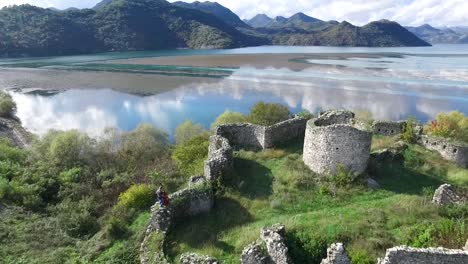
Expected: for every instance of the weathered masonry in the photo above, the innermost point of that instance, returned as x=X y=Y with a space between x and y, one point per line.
x=388 y=128
x=452 y=151
x=327 y=148
x=408 y=255
x=249 y=136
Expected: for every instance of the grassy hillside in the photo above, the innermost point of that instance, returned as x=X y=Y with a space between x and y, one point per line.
x=275 y=186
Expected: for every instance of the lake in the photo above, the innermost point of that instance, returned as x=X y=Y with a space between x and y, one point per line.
x=165 y=88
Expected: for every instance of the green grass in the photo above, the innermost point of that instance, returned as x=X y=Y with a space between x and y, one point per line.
x=274 y=186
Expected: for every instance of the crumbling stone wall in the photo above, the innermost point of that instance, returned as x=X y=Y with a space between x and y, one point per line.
x=326 y=148
x=284 y=132
x=447 y=195
x=336 y=254
x=185 y=203
x=455 y=152
x=249 y=136
x=242 y=136
x=334 y=117
x=388 y=128
x=220 y=159
x=407 y=255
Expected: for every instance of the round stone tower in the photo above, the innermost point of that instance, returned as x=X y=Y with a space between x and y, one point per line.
x=328 y=147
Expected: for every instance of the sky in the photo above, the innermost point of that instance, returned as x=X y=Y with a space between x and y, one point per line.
x=359 y=12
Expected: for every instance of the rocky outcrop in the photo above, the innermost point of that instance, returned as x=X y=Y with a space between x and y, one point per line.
x=447 y=195
x=192 y=258
x=336 y=254
x=388 y=128
x=408 y=255
x=249 y=136
x=13 y=130
x=334 y=117
x=255 y=253
x=327 y=148
x=452 y=151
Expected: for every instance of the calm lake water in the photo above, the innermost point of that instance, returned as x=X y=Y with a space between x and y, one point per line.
x=391 y=83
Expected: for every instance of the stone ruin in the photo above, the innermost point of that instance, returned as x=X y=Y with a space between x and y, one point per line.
x=408 y=255
x=447 y=195
x=333 y=117
x=327 y=148
x=191 y=201
x=388 y=128
x=452 y=151
x=220 y=159
x=271 y=250
x=332 y=140
x=336 y=254
x=249 y=136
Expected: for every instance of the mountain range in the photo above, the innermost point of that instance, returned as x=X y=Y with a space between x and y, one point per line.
x=456 y=35
x=122 y=25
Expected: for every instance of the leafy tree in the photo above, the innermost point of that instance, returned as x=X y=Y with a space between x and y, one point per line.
x=7 y=105
x=452 y=125
x=268 y=113
x=229 y=117
x=188 y=130
x=191 y=155
x=409 y=134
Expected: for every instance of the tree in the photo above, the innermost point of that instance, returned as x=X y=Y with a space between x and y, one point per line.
x=7 y=105
x=268 y=114
x=188 y=130
x=229 y=117
x=190 y=155
x=452 y=125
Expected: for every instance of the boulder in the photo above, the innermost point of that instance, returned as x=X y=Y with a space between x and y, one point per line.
x=446 y=195
x=255 y=253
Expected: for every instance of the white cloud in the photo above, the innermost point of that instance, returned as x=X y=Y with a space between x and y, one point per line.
x=406 y=12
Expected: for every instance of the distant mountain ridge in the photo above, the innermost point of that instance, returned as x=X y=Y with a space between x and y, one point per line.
x=440 y=36
x=216 y=9
x=125 y=25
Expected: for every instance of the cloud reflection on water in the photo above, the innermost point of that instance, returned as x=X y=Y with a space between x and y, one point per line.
x=94 y=110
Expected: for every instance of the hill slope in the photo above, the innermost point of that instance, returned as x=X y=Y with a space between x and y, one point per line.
x=221 y=12
x=125 y=25
x=116 y=25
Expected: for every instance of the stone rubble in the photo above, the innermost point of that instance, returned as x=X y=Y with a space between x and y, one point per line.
x=192 y=258
x=408 y=255
x=255 y=254
x=446 y=195
x=336 y=254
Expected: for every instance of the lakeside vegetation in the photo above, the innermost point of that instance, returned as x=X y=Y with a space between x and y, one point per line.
x=75 y=199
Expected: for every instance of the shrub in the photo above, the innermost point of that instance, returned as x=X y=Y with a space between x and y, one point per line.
x=305 y=114
x=68 y=149
x=187 y=131
x=342 y=178
x=78 y=219
x=409 y=134
x=449 y=233
x=191 y=155
x=361 y=257
x=229 y=117
x=453 y=125
x=305 y=248
x=7 y=105
x=116 y=228
x=139 y=197
x=267 y=114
